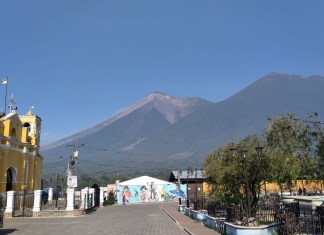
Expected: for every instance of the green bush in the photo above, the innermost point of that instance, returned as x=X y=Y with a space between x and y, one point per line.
x=110 y=200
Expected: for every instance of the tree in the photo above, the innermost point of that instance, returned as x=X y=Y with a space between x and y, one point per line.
x=222 y=174
x=289 y=148
x=227 y=172
x=320 y=155
x=290 y=143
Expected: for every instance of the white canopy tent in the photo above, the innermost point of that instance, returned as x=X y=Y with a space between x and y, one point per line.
x=146 y=180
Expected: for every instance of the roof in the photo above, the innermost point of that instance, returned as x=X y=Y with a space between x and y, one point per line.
x=144 y=180
x=190 y=174
x=8 y=116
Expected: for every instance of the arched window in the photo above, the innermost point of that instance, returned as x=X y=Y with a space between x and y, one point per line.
x=9 y=179
x=13 y=132
x=28 y=126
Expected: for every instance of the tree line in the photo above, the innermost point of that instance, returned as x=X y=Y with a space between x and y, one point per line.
x=292 y=149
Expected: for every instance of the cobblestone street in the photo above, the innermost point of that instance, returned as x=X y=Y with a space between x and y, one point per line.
x=142 y=219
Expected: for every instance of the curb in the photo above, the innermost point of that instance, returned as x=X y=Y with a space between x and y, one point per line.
x=185 y=229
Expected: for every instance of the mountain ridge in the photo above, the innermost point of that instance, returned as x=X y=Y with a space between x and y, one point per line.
x=164 y=132
x=179 y=107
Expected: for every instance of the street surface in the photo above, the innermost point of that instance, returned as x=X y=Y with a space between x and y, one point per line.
x=141 y=219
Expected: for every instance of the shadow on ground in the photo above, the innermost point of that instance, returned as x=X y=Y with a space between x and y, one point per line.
x=7 y=231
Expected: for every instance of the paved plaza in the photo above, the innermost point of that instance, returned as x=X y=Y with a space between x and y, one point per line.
x=144 y=219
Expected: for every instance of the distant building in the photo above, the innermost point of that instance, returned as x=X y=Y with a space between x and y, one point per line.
x=20 y=161
x=194 y=180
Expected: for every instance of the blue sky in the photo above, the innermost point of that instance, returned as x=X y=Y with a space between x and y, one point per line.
x=80 y=62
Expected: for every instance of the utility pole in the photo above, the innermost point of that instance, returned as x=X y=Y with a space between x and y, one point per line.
x=73 y=158
x=72 y=161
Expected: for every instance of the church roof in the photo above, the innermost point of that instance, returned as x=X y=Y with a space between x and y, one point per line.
x=9 y=115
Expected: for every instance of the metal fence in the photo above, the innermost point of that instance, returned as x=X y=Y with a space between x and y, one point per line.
x=3 y=201
x=287 y=216
x=217 y=210
x=78 y=204
x=23 y=204
x=86 y=203
x=58 y=201
x=266 y=213
x=290 y=224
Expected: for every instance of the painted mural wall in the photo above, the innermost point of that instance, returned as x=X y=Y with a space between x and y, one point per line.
x=150 y=193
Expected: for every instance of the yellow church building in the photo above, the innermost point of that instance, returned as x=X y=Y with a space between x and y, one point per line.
x=20 y=161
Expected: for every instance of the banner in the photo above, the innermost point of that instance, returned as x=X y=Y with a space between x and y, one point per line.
x=72 y=181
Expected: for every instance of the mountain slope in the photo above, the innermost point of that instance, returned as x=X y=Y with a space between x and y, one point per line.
x=170 y=107
x=240 y=115
x=164 y=132
x=129 y=128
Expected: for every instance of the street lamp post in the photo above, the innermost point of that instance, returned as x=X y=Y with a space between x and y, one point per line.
x=179 y=173
x=244 y=153
x=201 y=189
x=196 y=172
x=259 y=153
x=189 y=171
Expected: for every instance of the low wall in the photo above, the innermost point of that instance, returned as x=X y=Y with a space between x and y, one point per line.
x=62 y=213
x=187 y=211
x=181 y=208
x=213 y=223
x=232 y=229
x=7 y=215
x=219 y=224
x=198 y=215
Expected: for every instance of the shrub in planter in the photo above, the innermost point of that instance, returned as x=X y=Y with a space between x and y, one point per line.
x=110 y=200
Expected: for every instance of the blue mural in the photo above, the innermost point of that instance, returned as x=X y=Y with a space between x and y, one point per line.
x=150 y=193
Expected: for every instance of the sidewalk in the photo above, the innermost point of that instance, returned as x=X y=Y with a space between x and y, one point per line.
x=189 y=225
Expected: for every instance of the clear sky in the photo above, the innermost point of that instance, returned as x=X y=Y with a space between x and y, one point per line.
x=79 y=62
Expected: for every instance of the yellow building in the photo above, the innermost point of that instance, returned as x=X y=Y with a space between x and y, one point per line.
x=20 y=161
x=311 y=186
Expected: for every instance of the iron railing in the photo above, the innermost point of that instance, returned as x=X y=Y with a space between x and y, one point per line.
x=286 y=216
x=23 y=204
x=3 y=201
x=58 y=202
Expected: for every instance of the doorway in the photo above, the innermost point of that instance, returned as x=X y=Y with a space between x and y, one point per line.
x=9 y=179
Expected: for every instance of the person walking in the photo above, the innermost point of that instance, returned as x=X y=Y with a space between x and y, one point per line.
x=124 y=200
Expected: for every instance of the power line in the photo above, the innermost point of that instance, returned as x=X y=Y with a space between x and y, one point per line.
x=99 y=149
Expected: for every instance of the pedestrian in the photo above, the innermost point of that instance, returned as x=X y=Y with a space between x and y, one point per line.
x=304 y=191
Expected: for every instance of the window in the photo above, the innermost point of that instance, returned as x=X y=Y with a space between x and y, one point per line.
x=13 y=132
